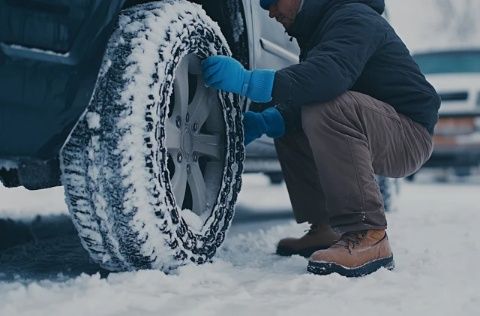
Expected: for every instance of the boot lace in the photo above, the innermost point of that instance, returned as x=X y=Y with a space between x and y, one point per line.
x=352 y=239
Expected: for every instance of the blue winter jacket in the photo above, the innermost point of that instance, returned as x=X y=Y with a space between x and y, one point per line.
x=347 y=45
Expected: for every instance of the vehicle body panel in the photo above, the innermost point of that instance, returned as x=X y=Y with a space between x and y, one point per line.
x=49 y=58
x=272 y=48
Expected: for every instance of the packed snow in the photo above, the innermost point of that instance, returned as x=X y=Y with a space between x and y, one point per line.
x=8 y=165
x=93 y=120
x=434 y=235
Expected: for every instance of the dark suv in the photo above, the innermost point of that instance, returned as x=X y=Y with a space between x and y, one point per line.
x=455 y=73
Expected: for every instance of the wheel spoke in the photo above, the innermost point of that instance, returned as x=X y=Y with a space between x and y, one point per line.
x=195 y=67
x=173 y=134
x=179 y=182
x=201 y=106
x=208 y=145
x=180 y=86
x=213 y=174
x=215 y=121
x=198 y=188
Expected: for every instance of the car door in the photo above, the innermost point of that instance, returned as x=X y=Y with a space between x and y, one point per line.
x=270 y=46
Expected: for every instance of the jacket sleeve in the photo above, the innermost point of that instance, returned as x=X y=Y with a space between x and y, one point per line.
x=333 y=66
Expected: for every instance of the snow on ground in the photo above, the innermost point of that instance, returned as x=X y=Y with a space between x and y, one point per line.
x=434 y=235
x=21 y=203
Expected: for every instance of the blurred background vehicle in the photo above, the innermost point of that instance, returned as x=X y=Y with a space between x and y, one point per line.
x=456 y=76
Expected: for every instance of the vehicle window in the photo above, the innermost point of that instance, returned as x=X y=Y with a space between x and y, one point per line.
x=449 y=62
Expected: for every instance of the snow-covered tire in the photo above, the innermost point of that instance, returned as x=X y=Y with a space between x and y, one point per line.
x=140 y=142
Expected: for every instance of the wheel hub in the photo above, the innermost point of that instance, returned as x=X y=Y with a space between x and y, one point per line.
x=194 y=139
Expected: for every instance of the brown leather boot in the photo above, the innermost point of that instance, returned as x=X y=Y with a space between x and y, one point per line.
x=355 y=254
x=319 y=236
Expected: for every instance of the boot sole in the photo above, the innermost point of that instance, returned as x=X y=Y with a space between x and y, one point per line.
x=324 y=268
x=307 y=252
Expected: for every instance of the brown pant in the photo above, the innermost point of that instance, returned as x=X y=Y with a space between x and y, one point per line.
x=330 y=167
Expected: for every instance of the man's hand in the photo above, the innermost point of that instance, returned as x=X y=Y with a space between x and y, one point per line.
x=268 y=122
x=227 y=74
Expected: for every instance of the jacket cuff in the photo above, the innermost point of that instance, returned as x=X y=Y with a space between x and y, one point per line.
x=292 y=118
x=260 y=85
x=281 y=96
x=282 y=86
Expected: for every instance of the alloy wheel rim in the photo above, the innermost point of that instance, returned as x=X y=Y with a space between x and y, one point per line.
x=195 y=139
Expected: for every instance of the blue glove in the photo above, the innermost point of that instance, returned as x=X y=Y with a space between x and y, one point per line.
x=227 y=74
x=268 y=122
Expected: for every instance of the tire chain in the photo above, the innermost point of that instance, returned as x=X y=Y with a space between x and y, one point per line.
x=178 y=236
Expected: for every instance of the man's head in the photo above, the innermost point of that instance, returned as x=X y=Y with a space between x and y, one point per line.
x=284 y=11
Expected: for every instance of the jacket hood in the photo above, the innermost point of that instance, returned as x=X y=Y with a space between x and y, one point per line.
x=314 y=10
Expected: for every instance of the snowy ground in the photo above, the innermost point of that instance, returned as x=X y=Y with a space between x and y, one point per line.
x=434 y=235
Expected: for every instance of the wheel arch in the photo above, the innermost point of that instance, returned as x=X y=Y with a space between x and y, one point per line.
x=234 y=30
